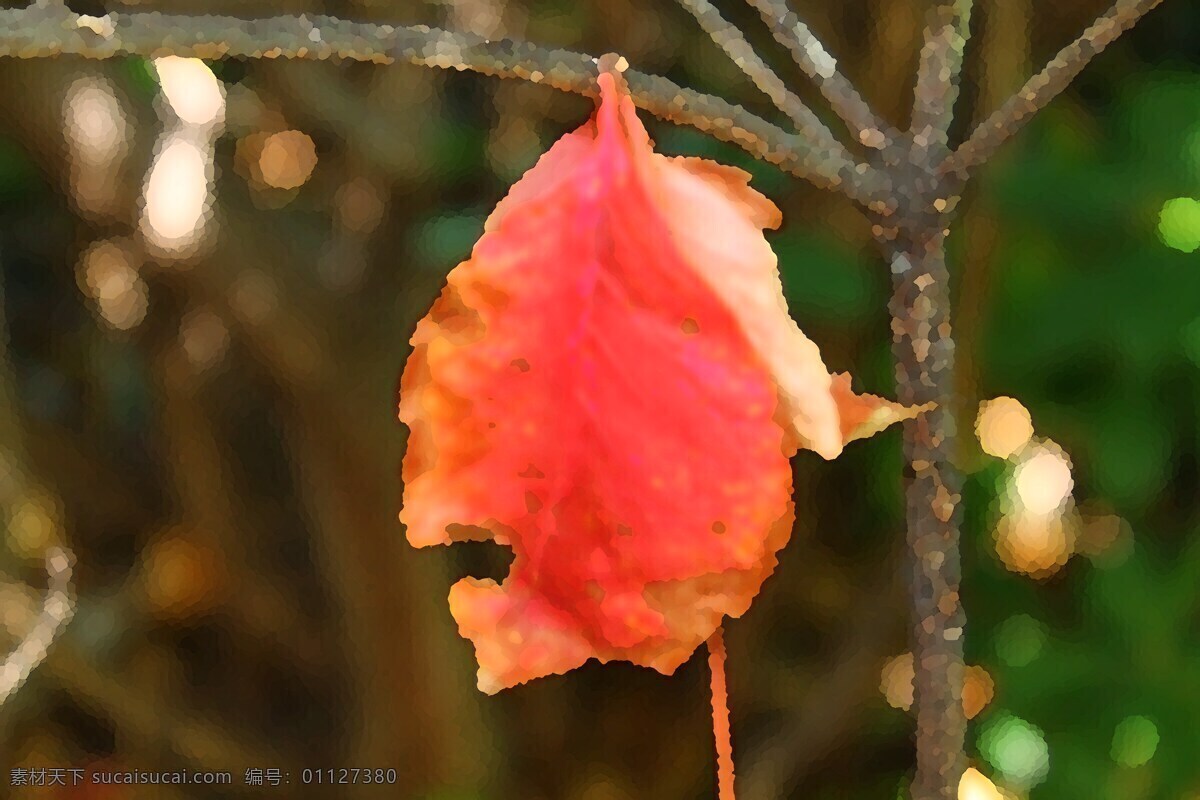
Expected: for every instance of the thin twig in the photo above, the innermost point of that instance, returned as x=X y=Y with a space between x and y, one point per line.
x=816 y=62
x=1037 y=93
x=730 y=39
x=720 y=714
x=938 y=75
x=35 y=32
x=57 y=610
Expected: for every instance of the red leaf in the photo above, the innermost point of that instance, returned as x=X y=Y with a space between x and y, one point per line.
x=611 y=385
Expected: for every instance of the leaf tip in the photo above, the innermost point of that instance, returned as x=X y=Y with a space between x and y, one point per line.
x=864 y=415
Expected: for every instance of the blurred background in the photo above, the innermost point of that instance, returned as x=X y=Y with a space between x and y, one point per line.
x=210 y=272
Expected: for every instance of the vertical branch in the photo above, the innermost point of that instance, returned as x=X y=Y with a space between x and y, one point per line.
x=938 y=75
x=923 y=348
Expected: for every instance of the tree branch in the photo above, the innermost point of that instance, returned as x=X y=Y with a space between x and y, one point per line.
x=35 y=32
x=1037 y=93
x=938 y=76
x=57 y=610
x=816 y=62
x=923 y=349
x=730 y=39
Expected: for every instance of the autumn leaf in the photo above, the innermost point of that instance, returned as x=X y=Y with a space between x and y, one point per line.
x=611 y=386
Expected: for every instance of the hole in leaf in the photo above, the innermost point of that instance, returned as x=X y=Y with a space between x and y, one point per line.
x=481 y=560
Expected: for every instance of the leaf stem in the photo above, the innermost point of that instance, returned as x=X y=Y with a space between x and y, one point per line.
x=720 y=714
